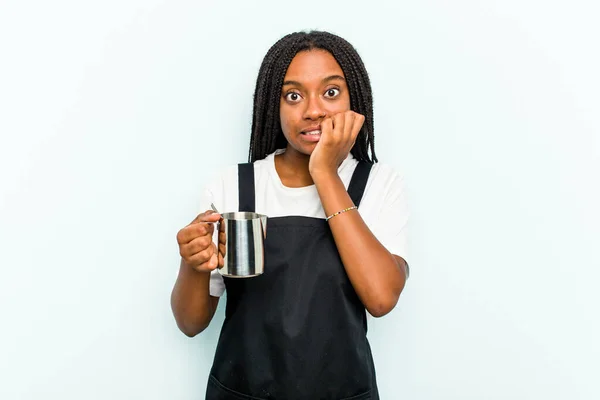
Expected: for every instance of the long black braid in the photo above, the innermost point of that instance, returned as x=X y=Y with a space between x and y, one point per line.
x=267 y=135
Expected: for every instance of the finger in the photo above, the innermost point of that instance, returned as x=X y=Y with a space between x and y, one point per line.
x=359 y=121
x=222 y=249
x=197 y=245
x=339 y=121
x=199 y=216
x=326 y=127
x=214 y=261
x=193 y=231
x=207 y=216
x=349 y=118
x=221 y=261
x=222 y=238
x=201 y=257
x=207 y=266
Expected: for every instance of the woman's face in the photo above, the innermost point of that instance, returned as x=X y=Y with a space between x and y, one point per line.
x=314 y=88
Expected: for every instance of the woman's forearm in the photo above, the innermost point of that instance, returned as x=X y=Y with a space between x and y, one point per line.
x=377 y=276
x=192 y=305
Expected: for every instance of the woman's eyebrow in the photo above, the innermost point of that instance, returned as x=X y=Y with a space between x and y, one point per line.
x=334 y=78
x=294 y=83
x=325 y=80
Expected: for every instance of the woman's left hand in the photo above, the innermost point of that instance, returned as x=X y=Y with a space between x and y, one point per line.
x=338 y=135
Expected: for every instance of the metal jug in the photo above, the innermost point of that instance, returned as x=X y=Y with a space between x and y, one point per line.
x=245 y=234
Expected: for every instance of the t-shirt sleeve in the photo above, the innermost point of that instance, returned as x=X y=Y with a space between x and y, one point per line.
x=391 y=225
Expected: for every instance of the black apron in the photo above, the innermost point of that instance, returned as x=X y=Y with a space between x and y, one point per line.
x=298 y=331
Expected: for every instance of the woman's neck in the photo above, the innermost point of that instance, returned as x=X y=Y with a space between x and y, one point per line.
x=292 y=168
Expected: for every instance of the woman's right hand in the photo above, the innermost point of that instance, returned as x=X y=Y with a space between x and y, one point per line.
x=196 y=245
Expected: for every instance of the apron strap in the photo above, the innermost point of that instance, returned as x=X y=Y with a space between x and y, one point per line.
x=359 y=182
x=246 y=187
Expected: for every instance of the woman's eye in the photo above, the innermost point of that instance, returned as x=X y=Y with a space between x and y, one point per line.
x=332 y=92
x=292 y=96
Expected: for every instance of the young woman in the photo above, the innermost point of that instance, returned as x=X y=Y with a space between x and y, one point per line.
x=336 y=235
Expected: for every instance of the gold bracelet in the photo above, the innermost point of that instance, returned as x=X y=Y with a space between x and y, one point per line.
x=341 y=212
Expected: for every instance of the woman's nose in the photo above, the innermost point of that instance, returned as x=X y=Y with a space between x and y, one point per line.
x=314 y=108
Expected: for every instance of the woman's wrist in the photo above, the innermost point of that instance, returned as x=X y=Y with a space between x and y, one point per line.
x=324 y=175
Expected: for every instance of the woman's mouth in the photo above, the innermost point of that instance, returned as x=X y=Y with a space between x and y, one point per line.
x=315 y=132
x=312 y=136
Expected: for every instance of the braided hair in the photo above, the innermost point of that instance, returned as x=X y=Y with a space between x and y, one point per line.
x=267 y=135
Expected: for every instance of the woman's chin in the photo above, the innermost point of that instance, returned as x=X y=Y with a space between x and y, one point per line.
x=305 y=149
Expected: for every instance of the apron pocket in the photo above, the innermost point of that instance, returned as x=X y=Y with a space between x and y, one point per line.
x=362 y=396
x=217 y=391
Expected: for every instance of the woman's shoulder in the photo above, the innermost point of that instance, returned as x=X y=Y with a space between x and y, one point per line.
x=224 y=176
x=228 y=174
x=385 y=177
x=386 y=171
x=221 y=188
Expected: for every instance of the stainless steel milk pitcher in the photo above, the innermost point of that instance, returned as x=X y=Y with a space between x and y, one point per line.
x=245 y=234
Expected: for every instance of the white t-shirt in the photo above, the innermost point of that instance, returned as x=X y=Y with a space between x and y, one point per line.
x=383 y=206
